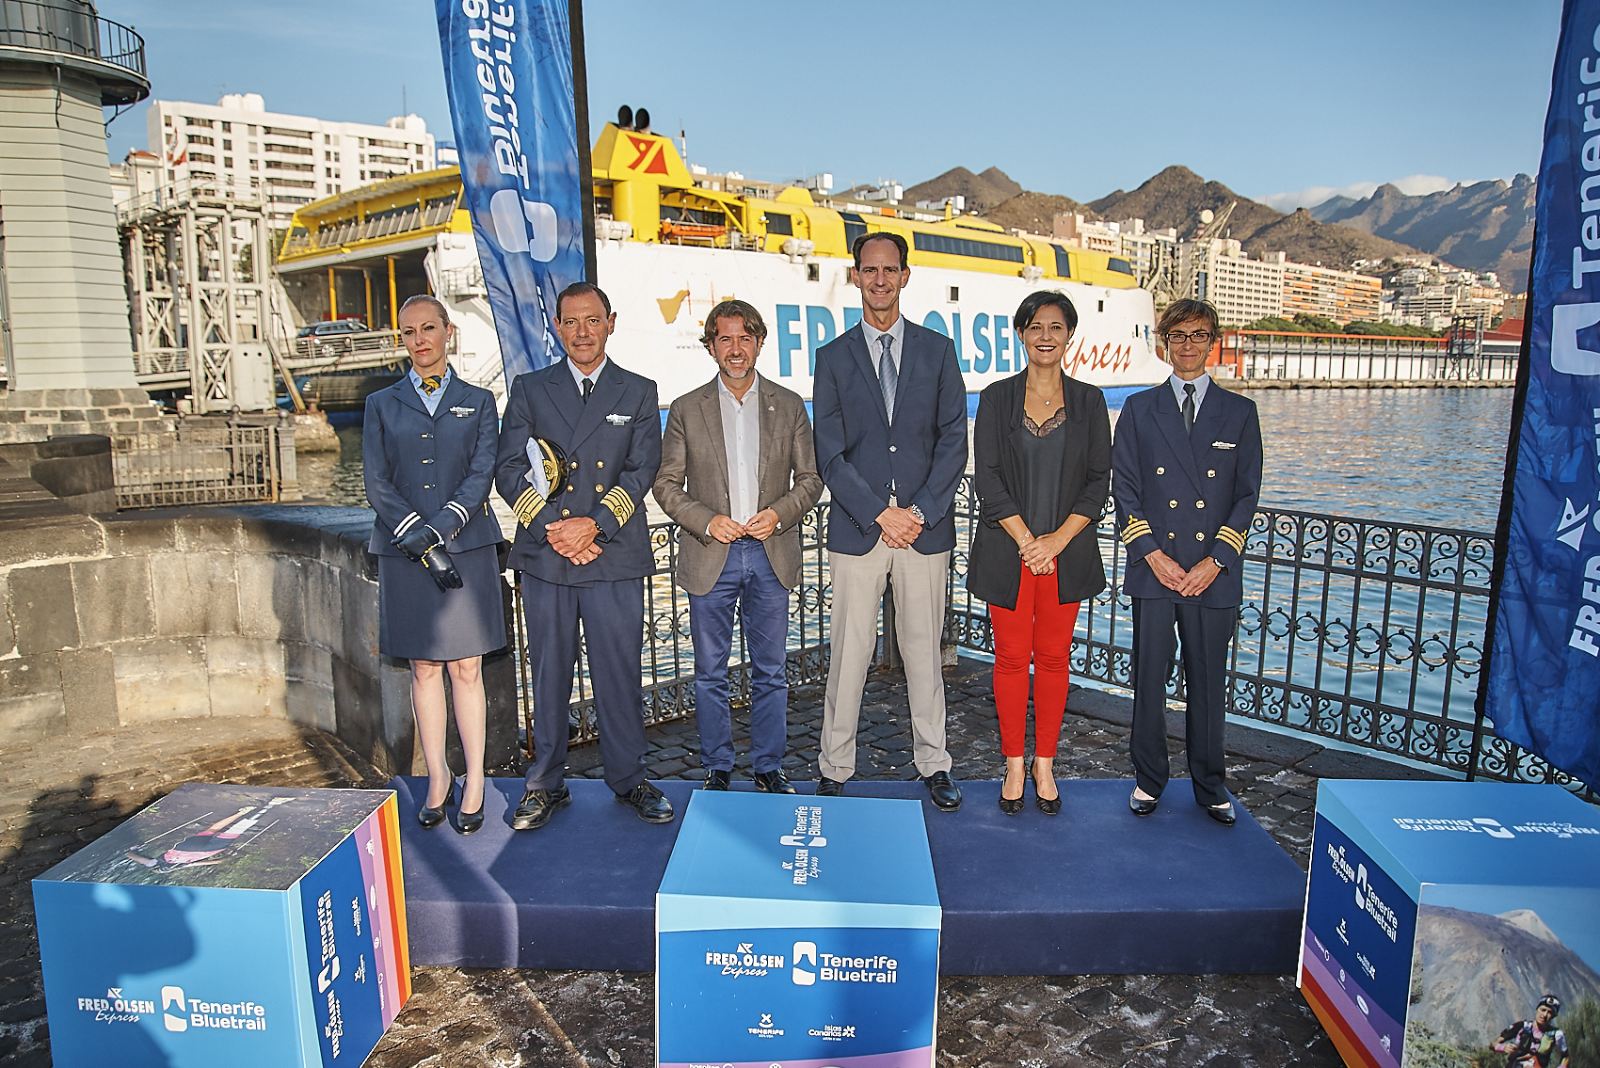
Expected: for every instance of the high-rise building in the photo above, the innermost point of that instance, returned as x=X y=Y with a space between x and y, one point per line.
x=1342 y=296
x=1241 y=289
x=294 y=159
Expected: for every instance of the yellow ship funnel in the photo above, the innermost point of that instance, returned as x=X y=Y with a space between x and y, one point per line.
x=627 y=155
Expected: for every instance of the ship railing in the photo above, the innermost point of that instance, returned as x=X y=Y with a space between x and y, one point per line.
x=1355 y=632
x=202 y=463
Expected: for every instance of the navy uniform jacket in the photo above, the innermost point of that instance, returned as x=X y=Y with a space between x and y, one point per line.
x=860 y=455
x=434 y=469
x=613 y=447
x=1191 y=495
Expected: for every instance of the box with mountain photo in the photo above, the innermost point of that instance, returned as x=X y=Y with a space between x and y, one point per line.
x=1455 y=925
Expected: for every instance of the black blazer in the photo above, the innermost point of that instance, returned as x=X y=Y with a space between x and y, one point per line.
x=994 y=570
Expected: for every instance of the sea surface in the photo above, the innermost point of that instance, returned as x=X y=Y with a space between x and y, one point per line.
x=1409 y=456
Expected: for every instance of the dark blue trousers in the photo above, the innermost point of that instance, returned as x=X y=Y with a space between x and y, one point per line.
x=613 y=631
x=1203 y=635
x=747 y=584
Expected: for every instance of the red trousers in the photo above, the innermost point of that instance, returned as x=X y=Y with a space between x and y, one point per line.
x=1038 y=630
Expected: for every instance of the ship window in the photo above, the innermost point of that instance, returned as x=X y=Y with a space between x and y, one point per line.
x=1063 y=262
x=955 y=294
x=778 y=223
x=965 y=246
x=1121 y=266
x=853 y=228
x=813 y=272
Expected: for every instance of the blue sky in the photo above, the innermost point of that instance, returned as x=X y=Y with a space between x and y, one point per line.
x=1283 y=102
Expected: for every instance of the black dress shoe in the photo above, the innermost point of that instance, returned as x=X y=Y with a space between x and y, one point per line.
x=469 y=822
x=1011 y=805
x=651 y=804
x=432 y=817
x=1143 y=806
x=1222 y=813
x=773 y=782
x=537 y=806
x=716 y=780
x=827 y=787
x=946 y=794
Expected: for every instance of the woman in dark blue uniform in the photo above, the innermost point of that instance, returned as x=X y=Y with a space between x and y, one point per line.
x=428 y=444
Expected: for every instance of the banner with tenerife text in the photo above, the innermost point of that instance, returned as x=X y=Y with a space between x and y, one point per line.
x=1543 y=673
x=516 y=105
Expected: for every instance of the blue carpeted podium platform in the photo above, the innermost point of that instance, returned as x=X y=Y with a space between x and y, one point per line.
x=1093 y=891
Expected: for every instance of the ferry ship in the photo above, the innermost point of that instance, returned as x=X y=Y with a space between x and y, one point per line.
x=668 y=249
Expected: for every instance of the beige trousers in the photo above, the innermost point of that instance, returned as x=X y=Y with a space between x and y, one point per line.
x=919 y=602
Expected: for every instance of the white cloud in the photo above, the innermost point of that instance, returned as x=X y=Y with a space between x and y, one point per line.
x=1412 y=185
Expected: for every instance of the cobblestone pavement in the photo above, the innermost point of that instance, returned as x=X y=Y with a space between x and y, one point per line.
x=58 y=797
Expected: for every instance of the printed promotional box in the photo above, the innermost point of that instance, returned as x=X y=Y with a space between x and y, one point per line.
x=228 y=925
x=1439 y=914
x=797 y=930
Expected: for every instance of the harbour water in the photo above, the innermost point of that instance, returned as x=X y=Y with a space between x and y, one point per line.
x=1411 y=456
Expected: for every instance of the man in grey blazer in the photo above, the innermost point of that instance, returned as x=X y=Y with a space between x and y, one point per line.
x=891 y=433
x=738 y=471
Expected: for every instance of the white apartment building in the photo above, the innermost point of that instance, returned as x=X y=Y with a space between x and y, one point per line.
x=294 y=159
x=1241 y=289
x=1343 y=296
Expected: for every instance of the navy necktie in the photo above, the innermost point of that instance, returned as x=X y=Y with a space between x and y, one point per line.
x=1188 y=407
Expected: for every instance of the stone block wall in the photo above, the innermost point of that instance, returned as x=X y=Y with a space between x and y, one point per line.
x=112 y=621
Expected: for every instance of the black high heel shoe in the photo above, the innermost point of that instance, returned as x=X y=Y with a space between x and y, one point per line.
x=432 y=817
x=1048 y=805
x=1011 y=805
x=469 y=822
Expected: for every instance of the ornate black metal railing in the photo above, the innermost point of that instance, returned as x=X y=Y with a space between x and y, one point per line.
x=1357 y=631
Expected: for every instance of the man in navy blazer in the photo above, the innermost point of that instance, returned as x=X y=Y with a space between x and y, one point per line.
x=890 y=413
x=1186 y=478
x=583 y=548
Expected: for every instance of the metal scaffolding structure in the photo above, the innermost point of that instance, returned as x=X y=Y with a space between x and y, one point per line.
x=197 y=262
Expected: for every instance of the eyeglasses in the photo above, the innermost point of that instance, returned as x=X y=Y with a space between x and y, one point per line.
x=1199 y=337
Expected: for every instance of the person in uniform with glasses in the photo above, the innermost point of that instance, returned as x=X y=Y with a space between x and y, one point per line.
x=1186 y=475
x=428 y=452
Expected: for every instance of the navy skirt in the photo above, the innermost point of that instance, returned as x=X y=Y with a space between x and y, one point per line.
x=419 y=621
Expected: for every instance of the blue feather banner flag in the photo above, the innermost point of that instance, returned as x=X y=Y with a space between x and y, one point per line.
x=513 y=102
x=1542 y=689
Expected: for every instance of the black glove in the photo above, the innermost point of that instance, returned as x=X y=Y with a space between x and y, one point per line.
x=415 y=543
x=441 y=569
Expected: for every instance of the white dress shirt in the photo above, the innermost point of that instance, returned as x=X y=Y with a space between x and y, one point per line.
x=741 y=438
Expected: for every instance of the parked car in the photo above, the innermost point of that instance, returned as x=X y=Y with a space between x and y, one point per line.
x=333 y=328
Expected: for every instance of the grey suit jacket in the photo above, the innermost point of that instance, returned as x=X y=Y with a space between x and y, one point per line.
x=692 y=483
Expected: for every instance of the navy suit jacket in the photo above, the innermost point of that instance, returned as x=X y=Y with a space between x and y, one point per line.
x=434 y=469
x=860 y=455
x=1191 y=495
x=613 y=447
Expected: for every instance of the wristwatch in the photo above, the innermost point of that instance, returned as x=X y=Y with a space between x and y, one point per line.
x=914 y=510
x=1220 y=565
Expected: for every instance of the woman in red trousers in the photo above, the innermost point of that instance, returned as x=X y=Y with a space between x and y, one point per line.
x=1042 y=461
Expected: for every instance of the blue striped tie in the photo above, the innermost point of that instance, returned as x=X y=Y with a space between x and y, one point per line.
x=888 y=374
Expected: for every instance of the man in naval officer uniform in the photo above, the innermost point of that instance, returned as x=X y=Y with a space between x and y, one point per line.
x=583 y=548
x=1186 y=468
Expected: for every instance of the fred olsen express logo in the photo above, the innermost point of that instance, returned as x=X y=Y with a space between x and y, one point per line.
x=744 y=961
x=116 y=1008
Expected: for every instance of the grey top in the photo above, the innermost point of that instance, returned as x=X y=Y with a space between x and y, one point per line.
x=1043 y=450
